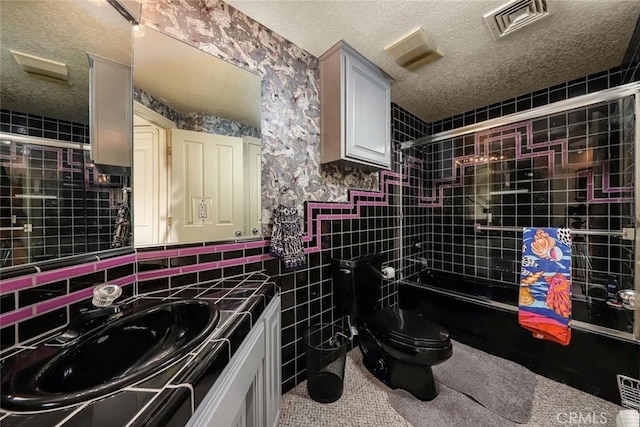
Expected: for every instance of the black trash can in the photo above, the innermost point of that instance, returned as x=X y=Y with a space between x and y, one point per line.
x=326 y=347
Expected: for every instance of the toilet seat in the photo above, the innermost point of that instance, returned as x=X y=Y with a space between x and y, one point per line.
x=407 y=329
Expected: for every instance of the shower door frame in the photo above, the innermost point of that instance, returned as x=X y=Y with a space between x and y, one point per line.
x=29 y=141
x=606 y=95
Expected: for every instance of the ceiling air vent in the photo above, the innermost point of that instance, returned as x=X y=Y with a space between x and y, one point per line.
x=42 y=68
x=515 y=15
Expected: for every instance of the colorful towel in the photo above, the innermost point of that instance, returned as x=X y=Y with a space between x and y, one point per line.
x=545 y=283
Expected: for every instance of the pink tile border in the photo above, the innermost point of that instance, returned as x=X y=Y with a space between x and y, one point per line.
x=519 y=132
x=52 y=304
x=64 y=273
x=124 y=281
x=232 y=262
x=257 y=244
x=157 y=274
x=12 y=285
x=258 y=258
x=16 y=316
x=116 y=262
x=230 y=247
x=350 y=210
x=195 y=251
x=200 y=267
x=63 y=301
x=141 y=256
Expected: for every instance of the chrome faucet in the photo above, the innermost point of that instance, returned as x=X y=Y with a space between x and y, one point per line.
x=104 y=295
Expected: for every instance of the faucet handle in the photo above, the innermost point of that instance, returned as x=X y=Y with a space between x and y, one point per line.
x=104 y=295
x=628 y=299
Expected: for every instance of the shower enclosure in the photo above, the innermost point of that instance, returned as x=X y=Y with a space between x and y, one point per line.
x=55 y=203
x=570 y=164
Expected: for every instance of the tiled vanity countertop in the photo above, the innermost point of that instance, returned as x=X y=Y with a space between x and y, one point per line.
x=169 y=397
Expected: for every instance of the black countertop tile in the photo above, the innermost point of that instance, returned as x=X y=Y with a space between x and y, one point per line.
x=46 y=419
x=172 y=408
x=165 y=399
x=116 y=410
x=159 y=380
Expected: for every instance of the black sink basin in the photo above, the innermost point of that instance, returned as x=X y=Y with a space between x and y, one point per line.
x=121 y=353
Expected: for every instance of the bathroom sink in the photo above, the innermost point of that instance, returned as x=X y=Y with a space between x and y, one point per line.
x=109 y=358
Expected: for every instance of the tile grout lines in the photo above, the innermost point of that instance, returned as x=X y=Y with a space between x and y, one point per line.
x=482 y=141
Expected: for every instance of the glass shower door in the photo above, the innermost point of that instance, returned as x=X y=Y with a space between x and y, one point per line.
x=15 y=219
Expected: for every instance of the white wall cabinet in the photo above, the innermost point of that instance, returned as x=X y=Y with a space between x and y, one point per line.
x=110 y=112
x=355 y=109
x=248 y=392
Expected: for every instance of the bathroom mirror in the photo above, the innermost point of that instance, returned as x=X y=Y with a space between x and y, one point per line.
x=197 y=150
x=55 y=201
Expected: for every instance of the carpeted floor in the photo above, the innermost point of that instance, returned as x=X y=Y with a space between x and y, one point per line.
x=365 y=402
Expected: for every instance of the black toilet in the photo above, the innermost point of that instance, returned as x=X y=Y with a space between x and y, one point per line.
x=398 y=346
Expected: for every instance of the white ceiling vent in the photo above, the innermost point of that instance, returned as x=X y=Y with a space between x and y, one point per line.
x=414 y=50
x=515 y=15
x=42 y=68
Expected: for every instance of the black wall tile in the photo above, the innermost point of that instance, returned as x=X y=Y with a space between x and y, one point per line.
x=7 y=303
x=153 y=285
x=41 y=324
x=120 y=271
x=7 y=336
x=87 y=281
x=42 y=293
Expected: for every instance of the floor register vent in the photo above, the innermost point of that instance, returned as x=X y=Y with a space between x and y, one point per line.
x=515 y=15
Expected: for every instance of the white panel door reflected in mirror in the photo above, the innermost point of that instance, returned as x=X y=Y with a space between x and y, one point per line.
x=197 y=147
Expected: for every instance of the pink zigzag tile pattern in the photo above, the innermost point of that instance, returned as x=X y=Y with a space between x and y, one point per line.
x=351 y=209
x=345 y=210
x=519 y=132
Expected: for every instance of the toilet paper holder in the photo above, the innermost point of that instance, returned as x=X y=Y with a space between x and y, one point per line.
x=386 y=273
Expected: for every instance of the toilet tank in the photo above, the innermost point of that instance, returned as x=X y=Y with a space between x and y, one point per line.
x=356 y=285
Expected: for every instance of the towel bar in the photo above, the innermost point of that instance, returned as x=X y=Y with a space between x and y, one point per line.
x=625 y=233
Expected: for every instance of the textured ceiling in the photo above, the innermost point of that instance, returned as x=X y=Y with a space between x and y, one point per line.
x=189 y=79
x=580 y=37
x=62 y=31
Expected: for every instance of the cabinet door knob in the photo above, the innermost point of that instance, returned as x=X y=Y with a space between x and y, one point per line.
x=254 y=230
x=238 y=233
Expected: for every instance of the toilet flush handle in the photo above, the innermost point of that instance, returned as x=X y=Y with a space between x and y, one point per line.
x=629 y=299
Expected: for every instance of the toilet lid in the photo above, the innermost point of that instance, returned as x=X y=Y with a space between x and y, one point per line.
x=408 y=327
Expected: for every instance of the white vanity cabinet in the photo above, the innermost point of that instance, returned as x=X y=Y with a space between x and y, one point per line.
x=355 y=109
x=248 y=392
